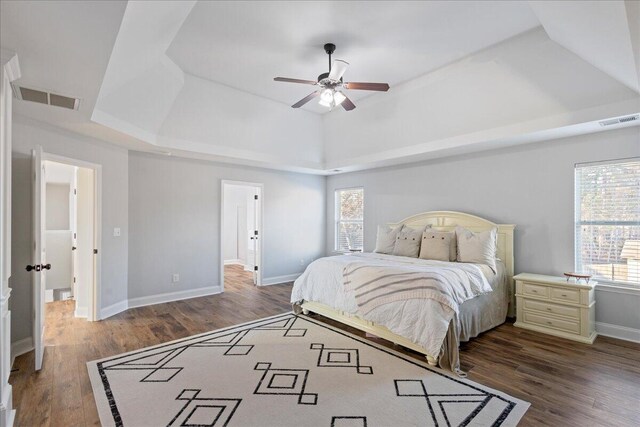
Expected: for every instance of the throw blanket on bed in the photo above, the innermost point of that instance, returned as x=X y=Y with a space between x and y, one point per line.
x=378 y=283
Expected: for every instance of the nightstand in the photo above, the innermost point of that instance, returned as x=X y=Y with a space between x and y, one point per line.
x=554 y=306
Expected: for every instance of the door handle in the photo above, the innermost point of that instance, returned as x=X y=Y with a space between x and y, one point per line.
x=45 y=266
x=36 y=267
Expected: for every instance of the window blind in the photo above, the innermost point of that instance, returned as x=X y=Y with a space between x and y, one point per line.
x=607 y=220
x=349 y=219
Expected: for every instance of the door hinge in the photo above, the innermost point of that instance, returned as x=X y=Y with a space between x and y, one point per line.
x=255 y=232
x=95 y=251
x=255 y=197
x=74 y=280
x=75 y=191
x=255 y=268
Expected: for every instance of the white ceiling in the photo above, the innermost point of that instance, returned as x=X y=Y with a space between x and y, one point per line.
x=196 y=78
x=246 y=44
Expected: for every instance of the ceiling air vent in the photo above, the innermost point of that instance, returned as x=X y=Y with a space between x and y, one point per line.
x=47 y=98
x=620 y=120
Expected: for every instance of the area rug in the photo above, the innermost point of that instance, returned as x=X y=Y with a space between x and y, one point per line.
x=288 y=370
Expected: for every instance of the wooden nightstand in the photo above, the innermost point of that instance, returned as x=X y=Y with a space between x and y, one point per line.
x=554 y=306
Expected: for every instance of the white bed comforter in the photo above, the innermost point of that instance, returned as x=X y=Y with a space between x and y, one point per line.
x=423 y=321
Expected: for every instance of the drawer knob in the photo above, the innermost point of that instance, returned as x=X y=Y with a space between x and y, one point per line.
x=564 y=295
x=549 y=309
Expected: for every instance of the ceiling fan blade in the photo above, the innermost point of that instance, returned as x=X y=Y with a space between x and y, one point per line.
x=337 y=69
x=347 y=104
x=305 y=99
x=288 y=80
x=382 y=87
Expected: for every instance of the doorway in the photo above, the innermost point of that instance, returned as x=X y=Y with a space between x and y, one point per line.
x=66 y=227
x=241 y=234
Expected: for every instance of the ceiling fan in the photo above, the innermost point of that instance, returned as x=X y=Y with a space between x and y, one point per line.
x=330 y=84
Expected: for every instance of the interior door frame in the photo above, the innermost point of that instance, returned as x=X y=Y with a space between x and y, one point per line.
x=93 y=312
x=260 y=223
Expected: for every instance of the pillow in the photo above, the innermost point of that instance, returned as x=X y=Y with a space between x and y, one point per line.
x=386 y=238
x=438 y=245
x=408 y=242
x=478 y=248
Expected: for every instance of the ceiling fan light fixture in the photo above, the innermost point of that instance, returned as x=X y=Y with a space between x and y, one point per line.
x=338 y=97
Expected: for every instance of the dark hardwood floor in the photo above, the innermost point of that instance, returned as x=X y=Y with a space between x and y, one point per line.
x=567 y=383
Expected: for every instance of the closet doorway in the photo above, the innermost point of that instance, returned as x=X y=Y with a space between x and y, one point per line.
x=69 y=236
x=241 y=234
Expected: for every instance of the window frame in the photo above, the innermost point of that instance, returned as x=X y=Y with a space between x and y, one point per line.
x=577 y=223
x=336 y=218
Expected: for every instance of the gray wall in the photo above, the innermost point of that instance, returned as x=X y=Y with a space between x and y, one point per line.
x=28 y=134
x=174 y=221
x=531 y=186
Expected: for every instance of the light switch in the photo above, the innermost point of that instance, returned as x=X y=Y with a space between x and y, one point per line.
x=116 y=232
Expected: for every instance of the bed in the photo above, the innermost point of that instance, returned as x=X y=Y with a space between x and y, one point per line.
x=320 y=290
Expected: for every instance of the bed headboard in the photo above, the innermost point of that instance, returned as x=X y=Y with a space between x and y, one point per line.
x=448 y=221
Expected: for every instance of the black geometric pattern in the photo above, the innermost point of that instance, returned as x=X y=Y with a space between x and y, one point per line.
x=467 y=405
x=285 y=325
x=158 y=365
x=157 y=361
x=203 y=411
x=290 y=382
x=340 y=358
x=348 y=421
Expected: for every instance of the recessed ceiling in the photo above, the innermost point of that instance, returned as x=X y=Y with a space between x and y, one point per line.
x=246 y=44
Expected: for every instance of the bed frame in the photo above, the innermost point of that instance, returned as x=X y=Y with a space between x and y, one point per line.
x=441 y=221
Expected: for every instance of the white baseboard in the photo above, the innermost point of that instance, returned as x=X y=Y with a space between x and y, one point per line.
x=620 y=332
x=114 y=309
x=21 y=347
x=81 y=311
x=276 y=280
x=233 y=262
x=173 y=296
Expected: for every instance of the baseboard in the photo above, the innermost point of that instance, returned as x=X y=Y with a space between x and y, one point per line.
x=276 y=280
x=619 y=332
x=233 y=262
x=114 y=309
x=173 y=296
x=21 y=347
x=81 y=311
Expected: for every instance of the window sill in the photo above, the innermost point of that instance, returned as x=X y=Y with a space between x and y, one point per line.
x=618 y=288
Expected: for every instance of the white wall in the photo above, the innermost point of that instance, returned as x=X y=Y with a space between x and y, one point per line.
x=27 y=134
x=174 y=222
x=531 y=186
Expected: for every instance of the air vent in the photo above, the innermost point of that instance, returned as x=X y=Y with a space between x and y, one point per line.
x=619 y=120
x=42 y=97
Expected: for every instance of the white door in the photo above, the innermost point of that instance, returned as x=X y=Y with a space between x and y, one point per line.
x=39 y=266
x=256 y=235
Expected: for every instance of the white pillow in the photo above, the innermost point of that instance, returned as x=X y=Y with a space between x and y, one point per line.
x=408 y=242
x=438 y=245
x=477 y=248
x=386 y=238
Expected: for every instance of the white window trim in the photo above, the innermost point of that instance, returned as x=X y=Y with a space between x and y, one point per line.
x=602 y=284
x=336 y=218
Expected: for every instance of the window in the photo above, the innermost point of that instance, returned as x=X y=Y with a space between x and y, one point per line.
x=349 y=219
x=607 y=220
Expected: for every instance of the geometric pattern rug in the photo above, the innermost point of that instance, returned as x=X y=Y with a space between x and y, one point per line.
x=288 y=370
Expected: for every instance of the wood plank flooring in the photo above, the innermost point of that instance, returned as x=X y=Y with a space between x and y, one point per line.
x=567 y=383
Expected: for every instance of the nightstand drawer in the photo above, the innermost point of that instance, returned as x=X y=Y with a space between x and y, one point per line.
x=534 y=290
x=565 y=295
x=564 y=325
x=561 y=310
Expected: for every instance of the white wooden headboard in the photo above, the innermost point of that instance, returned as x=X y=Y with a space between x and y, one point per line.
x=448 y=221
